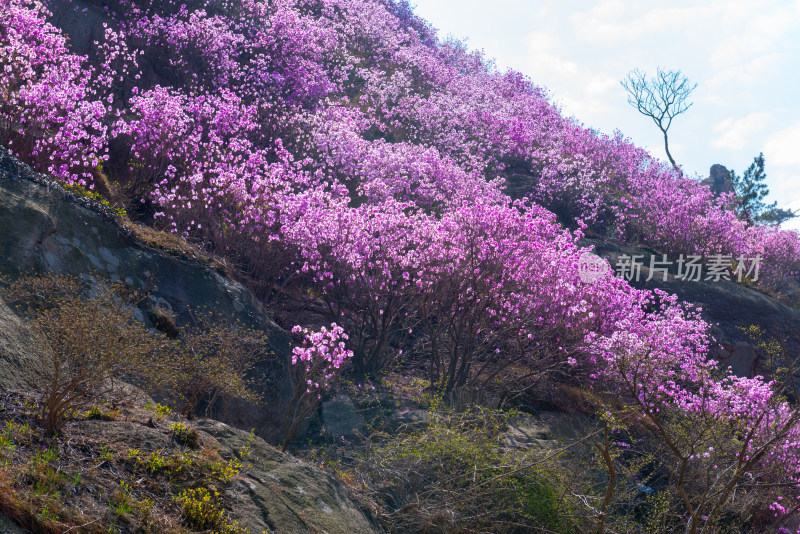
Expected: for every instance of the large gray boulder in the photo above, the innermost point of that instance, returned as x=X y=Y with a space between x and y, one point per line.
x=45 y=229
x=284 y=494
x=340 y=418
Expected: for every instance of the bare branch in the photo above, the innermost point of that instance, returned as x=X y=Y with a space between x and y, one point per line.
x=662 y=98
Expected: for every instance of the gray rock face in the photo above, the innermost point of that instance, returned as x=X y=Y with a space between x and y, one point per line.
x=408 y=419
x=546 y=430
x=45 y=229
x=82 y=22
x=282 y=493
x=341 y=419
x=9 y=527
x=727 y=305
x=19 y=366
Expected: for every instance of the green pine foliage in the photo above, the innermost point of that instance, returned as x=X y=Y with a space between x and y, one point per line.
x=751 y=191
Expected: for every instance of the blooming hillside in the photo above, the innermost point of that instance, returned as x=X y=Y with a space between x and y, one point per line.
x=338 y=147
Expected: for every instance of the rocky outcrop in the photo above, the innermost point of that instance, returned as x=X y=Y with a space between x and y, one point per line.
x=282 y=493
x=546 y=430
x=275 y=492
x=719 y=180
x=270 y=491
x=729 y=306
x=45 y=229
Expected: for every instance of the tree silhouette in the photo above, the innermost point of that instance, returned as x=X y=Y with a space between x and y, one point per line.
x=662 y=98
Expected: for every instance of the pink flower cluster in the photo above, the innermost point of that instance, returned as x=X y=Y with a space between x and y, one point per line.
x=361 y=94
x=320 y=357
x=51 y=111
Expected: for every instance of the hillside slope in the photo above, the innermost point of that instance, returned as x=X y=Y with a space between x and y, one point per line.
x=418 y=218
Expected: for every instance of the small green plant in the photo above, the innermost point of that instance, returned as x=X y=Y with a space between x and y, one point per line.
x=105 y=453
x=94 y=413
x=142 y=510
x=7 y=445
x=21 y=434
x=185 y=435
x=45 y=515
x=80 y=191
x=44 y=475
x=44 y=458
x=121 y=501
x=155 y=463
x=160 y=410
x=202 y=510
x=97 y=413
x=225 y=471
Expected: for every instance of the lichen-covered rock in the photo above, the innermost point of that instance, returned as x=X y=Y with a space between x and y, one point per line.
x=45 y=229
x=282 y=493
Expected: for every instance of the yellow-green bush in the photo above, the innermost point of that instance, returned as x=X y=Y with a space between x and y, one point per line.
x=202 y=510
x=185 y=435
x=454 y=474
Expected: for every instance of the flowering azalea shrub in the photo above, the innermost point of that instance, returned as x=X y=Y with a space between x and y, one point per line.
x=718 y=434
x=365 y=263
x=315 y=367
x=190 y=108
x=501 y=288
x=51 y=113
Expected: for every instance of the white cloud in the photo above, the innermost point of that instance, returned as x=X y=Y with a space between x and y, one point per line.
x=782 y=149
x=612 y=22
x=782 y=155
x=601 y=84
x=736 y=134
x=545 y=57
x=732 y=85
x=758 y=32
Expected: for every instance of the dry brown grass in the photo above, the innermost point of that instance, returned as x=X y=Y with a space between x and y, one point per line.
x=175 y=245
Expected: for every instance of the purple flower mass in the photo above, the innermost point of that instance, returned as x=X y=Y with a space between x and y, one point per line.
x=341 y=143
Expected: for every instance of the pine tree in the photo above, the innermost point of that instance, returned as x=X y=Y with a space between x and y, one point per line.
x=751 y=190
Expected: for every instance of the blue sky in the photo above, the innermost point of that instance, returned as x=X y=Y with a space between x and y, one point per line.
x=744 y=55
